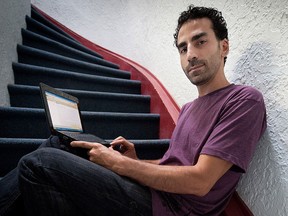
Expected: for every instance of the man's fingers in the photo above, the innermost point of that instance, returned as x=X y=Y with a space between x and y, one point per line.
x=118 y=139
x=83 y=144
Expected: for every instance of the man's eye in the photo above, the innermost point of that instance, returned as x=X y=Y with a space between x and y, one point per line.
x=183 y=50
x=201 y=42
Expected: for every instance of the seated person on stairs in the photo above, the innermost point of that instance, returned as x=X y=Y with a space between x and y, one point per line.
x=211 y=147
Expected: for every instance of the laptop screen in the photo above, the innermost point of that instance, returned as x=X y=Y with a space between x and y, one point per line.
x=64 y=113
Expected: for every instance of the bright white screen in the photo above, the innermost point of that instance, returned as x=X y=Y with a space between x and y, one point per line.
x=64 y=113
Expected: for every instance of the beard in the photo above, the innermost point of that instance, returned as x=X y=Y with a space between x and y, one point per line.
x=201 y=72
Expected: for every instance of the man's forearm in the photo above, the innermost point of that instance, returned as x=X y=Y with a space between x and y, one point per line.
x=156 y=162
x=174 y=179
x=197 y=179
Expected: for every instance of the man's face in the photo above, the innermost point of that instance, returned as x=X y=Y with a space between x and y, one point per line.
x=201 y=54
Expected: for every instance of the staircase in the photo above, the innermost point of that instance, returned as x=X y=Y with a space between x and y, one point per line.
x=111 y=103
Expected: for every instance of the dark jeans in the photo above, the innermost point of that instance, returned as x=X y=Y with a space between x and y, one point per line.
x=55 y=182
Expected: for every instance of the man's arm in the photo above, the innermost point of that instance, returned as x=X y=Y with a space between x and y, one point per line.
x=128 y=149
x=197 y=180
x=156 y=162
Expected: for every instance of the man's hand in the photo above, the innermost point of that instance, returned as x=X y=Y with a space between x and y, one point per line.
x=107 y=157
x=125 y=147
x=99 y=154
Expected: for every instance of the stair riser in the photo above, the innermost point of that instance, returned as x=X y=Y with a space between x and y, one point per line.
x=74 y=83
x=11 y=151
x=66 y=81
x=128 y=127
x=101 y=103
x=32 y=124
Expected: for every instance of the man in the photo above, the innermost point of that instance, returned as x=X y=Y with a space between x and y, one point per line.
x=211 y=146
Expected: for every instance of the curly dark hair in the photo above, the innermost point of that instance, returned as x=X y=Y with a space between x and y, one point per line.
x=192 y=12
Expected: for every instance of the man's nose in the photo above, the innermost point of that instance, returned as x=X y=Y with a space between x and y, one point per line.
x=191 y=54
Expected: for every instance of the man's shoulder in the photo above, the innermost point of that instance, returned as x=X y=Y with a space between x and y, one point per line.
x=229 y=94
x=245 y=92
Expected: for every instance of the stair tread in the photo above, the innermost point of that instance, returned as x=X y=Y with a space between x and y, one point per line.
x=31 y=68
x=40 y=28
x=35 y=89
x=61 y=62
x=12 y=149
x=69 y=79
x=37 y=16
x=26 y=110
x=39 y=41
x=29 y=96
x=32 y=123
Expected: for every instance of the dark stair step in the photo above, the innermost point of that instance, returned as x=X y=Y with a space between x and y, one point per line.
x=32 y=75
x=29 y=55
x=29 y=96
x=12 y=149
x=37 y=16
x=31 y=123
x=41 y=29
x=37 y=41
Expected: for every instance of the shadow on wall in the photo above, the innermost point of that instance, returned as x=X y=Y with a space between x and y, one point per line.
x=265 y=187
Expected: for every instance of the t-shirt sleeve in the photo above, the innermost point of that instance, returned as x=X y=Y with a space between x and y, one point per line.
x=241 y=123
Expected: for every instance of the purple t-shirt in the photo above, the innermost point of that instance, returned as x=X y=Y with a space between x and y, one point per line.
x=227 y=124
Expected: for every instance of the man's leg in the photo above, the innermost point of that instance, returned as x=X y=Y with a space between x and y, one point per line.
x=55 y=182
x=10 y=199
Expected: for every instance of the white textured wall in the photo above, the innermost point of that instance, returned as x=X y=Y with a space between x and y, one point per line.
x=142 y=30
x=12 y=19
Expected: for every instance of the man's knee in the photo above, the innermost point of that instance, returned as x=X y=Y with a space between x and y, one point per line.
x=38 y=158
x=52 y=141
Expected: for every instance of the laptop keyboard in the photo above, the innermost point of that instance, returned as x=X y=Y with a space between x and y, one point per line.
x=85 y=137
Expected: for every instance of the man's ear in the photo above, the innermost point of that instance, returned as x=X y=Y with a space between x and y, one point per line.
x=225 y=47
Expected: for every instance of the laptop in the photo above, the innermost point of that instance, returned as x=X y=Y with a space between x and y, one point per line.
x=64 y=117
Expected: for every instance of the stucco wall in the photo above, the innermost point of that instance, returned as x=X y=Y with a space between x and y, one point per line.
x=142 y=31
x=12 y=19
